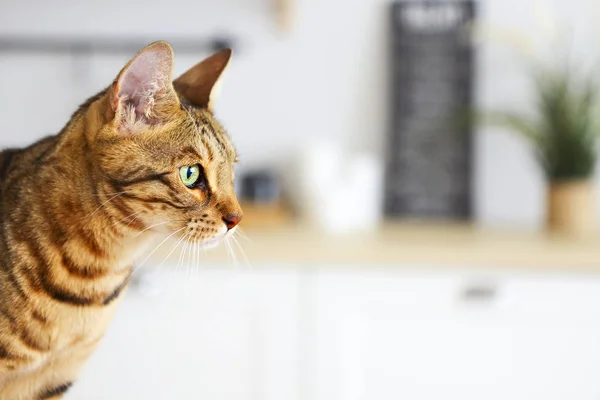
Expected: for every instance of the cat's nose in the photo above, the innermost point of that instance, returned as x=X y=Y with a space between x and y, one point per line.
x=232 y=220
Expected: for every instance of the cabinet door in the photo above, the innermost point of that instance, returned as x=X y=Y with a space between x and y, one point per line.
x=389 y=335
x=222 y=334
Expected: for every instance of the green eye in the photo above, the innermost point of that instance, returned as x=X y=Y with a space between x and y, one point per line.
x=190 y=175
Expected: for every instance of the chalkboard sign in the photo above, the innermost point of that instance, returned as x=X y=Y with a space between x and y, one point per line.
x=428 y=169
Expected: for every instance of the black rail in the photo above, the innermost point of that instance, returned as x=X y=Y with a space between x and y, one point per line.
x=87 y=45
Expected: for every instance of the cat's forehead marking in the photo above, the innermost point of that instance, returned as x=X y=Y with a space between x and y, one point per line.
x=211 y=138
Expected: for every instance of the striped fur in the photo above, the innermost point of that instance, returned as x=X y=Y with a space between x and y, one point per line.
x=77 y=209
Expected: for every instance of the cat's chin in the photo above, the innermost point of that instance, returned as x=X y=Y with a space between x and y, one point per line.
x=214 y=242
x=211 y=243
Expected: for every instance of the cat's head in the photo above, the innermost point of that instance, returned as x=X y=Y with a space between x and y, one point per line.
x=161 y=148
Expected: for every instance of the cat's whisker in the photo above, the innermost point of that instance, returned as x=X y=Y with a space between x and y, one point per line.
x=153 y=226
x=195 y=256
x=194 y=263
x=239 y=246
x=233 y=252
x=126 y=218
x=204 y=252
x=181 y=254
x=134 y=219
x=197 y=266
x=188 y=266
x=176 y=268
x=171 y=252
x=198 y=259
x=236 y=262
x=154 y=251
x=191 y=264
x=243 y=235
x=87 y=217
x=110 y=194
x=181 y=260
x=198 y=255
x=228 y=251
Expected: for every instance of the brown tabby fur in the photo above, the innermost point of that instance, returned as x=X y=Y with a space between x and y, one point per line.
x=76 y=210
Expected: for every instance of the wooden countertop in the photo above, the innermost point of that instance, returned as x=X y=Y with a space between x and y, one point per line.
x=404 y=245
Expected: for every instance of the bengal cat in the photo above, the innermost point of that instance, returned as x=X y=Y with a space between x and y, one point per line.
x=145 y=157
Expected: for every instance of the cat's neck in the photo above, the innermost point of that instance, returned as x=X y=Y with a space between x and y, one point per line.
x=80 y=212
x=62 y=230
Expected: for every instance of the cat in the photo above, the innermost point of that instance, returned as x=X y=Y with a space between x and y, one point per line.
x=143 y=158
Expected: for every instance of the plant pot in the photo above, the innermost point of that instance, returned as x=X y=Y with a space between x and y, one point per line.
x=571 y=207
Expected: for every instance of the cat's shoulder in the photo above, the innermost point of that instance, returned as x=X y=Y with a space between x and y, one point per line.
x=12 y=157
x=6 y=158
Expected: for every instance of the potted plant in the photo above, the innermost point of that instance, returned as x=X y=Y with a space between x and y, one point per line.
x=563 y=131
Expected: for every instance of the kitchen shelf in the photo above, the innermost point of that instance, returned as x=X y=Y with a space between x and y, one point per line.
x=415 y=244
x=105 y=45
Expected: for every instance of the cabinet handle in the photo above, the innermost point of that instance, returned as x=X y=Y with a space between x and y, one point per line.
x=479 y=293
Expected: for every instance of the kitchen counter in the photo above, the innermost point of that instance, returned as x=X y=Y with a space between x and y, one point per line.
x=406 y=244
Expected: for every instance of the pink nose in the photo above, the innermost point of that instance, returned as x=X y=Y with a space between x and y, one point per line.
x=232 y=220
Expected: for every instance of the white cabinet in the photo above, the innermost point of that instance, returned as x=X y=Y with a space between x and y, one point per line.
x=223 y=334
x=352 y=334
x=399 y=335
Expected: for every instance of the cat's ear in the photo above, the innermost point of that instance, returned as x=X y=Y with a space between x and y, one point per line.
x=143 y=94
x=200 y=83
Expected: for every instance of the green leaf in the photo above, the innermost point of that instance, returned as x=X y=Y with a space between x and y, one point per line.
x=564 y=126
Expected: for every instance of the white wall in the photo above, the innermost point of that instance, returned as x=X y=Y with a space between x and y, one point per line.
x=327 y=79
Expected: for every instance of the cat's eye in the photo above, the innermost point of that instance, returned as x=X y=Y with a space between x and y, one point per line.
x=191 y=176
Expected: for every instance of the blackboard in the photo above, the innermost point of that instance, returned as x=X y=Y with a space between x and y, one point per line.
x=428 y=166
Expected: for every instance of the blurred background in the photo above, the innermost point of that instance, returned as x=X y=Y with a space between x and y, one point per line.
x=392 y=245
